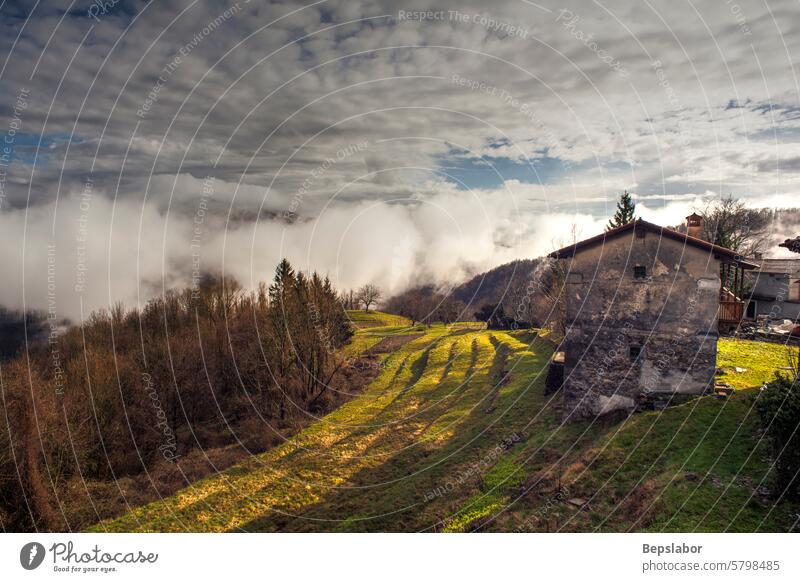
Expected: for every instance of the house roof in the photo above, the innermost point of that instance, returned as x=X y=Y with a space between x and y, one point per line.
x=768 y=299
x=780 y=266
x=725 y=255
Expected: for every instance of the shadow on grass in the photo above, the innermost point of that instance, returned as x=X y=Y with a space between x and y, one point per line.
x=396 y=494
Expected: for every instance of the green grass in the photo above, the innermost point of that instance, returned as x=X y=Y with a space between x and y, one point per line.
x=361 y=318
x=456 y=434
x=688 y=468
x=371 y=327
x=760 y=360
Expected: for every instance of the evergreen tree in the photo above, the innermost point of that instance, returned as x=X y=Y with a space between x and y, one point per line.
x=279 y=315
x=283 y=282
x=625 y=212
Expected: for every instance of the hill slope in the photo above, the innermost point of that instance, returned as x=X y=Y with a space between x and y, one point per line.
x=496 y=285
x=456 y=434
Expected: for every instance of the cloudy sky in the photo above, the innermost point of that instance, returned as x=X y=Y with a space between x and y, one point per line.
x=392 y=142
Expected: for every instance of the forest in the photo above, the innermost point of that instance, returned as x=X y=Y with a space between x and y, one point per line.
x=136 y=403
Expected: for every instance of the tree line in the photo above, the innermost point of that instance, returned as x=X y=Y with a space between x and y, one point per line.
x=213 y=366
x=426 y=305
x=365 y=296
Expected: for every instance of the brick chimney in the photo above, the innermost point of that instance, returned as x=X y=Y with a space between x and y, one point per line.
x=694 y=225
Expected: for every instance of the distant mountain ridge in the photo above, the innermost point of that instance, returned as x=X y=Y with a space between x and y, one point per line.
x=496 y=285
x=508 y=284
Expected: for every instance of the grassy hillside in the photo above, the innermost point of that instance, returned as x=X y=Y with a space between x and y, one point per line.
x=455 y=434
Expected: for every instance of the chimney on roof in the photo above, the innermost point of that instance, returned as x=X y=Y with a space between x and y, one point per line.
x=694 y=225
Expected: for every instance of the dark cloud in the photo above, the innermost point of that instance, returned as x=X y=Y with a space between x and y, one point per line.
x=323 y=119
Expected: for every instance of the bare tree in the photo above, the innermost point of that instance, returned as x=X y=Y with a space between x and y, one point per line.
x=448 y=309
x=348 y=299
x=552 y=278
x=730 y=224
x=552 y=284
x=368 y=294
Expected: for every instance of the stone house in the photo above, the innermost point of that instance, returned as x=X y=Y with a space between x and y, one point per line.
x=775 y=290
x=643 y=309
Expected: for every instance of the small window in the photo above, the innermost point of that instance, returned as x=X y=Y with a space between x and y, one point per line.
x=635 y=352
x=640 y=232
x=640 y=272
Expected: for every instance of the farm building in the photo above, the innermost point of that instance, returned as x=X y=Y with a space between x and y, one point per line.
x=775 y=290
x=643 y=309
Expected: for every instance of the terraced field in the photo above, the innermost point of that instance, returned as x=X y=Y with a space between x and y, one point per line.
x=455 y=434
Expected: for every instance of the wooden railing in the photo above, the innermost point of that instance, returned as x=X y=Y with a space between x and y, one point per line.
x=731 y=311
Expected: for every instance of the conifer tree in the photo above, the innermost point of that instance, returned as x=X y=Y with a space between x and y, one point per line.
x=284 y=280
x=280 y=295
x=625 y=212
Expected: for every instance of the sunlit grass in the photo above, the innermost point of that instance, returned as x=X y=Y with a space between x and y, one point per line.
x=456 y=424
x=759 y=360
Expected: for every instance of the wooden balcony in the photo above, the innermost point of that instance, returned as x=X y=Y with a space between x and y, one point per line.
x=731 y=312
x=731 y=306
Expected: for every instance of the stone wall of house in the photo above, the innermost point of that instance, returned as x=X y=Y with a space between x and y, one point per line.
x=633 y=341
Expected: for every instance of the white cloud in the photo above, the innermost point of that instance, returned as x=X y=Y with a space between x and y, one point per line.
x=287 y=97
